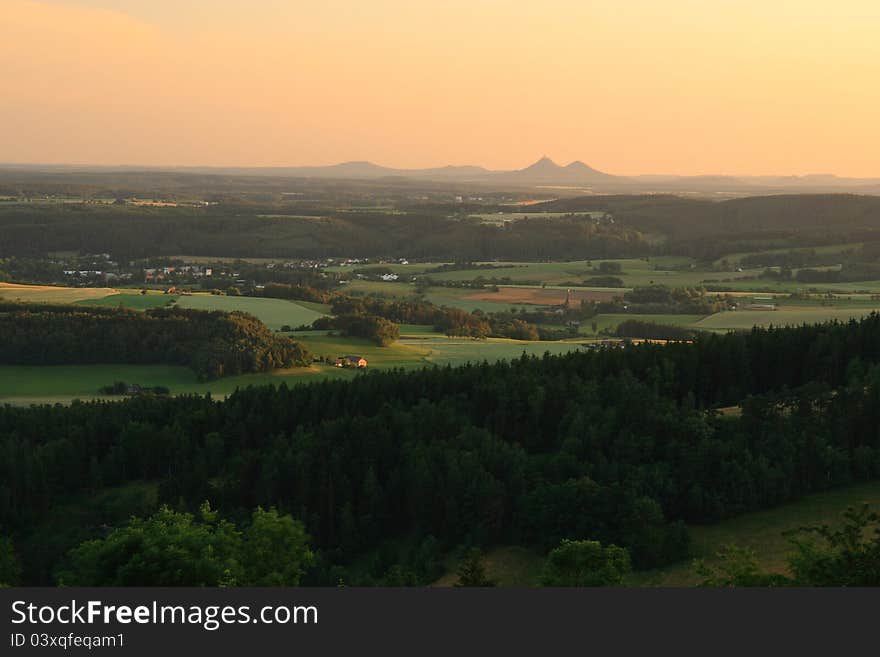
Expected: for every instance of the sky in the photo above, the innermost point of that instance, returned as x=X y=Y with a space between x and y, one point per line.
x=628 y=86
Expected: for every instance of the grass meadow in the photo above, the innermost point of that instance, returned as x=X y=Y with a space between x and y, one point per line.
x=274 y=313
x=762 y=531
x=132 y=300
x=38 y=384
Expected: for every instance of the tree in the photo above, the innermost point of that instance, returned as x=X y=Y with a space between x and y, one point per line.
x=275 y=551
x=610 y=268
x=166 y=549
x=586 y=563
x=736 y=566
x=846 y=556
x=10 y=568
x=471 y=571
x=181 y=549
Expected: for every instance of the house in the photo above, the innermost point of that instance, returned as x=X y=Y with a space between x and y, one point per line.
x=351 y=361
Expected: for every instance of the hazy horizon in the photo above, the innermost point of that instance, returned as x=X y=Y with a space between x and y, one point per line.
x=305 y=165
x=629 y=87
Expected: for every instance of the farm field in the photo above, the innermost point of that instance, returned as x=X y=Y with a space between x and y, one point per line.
x=419 y=331
x=544 y=296
x=545 y=272
x=322 y=308
x=421 y=345
x=399 y=354
x=458 y=351
x=441 y=296
x=274 y=313
x=460 y=298
x=51 y=294
x=135 y=301
x=744 y=281
x=658 y=270
x=787 y=287
x=784 y=316
x=735 y=258
x=470 y=299
x=26 y=384
x=761 y=531
x=49 y=384
x=672 y=272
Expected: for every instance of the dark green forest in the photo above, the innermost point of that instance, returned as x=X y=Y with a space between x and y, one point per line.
x=390 y=471
x=269 y=226
x=213 y=344
x=242 y=232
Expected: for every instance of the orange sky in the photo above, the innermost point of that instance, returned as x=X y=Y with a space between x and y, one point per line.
x=629 y=86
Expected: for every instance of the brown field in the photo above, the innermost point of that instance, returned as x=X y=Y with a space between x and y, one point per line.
x=542 y=296
x=51 y=294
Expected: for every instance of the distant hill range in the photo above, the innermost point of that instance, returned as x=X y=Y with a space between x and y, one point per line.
x=576 y=176
x=543 y=172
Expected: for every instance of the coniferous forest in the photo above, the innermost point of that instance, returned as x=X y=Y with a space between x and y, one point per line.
x=212 y=344
x=390 y=471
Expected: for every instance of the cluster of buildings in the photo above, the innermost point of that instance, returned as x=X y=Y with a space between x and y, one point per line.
x=157 y=274
x=351 y=361
x=100 y=268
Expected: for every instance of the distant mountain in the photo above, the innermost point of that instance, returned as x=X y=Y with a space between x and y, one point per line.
x=543 y=167
x=546 y=171
x=367 y=170
x=353 y=170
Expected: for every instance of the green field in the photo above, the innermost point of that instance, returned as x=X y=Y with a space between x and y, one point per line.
x=761 y=531
x=419 y=330
x=672 y=271
x=419 y=346
x=635 y=271
x=399 y=354
x=441 y=296
x=784 y=316
x=789 y=312
x=26 y=384
x=320 y=308
x=457 y=351
x=135 y=301
x=274 y=313
x=735 y=258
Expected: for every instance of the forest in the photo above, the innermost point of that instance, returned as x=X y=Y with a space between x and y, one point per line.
x=213 y=344
x=432 y=230
x=209 y=231
x=391 y=470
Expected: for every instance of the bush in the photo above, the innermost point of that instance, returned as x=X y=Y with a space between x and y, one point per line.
x=586 y=563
